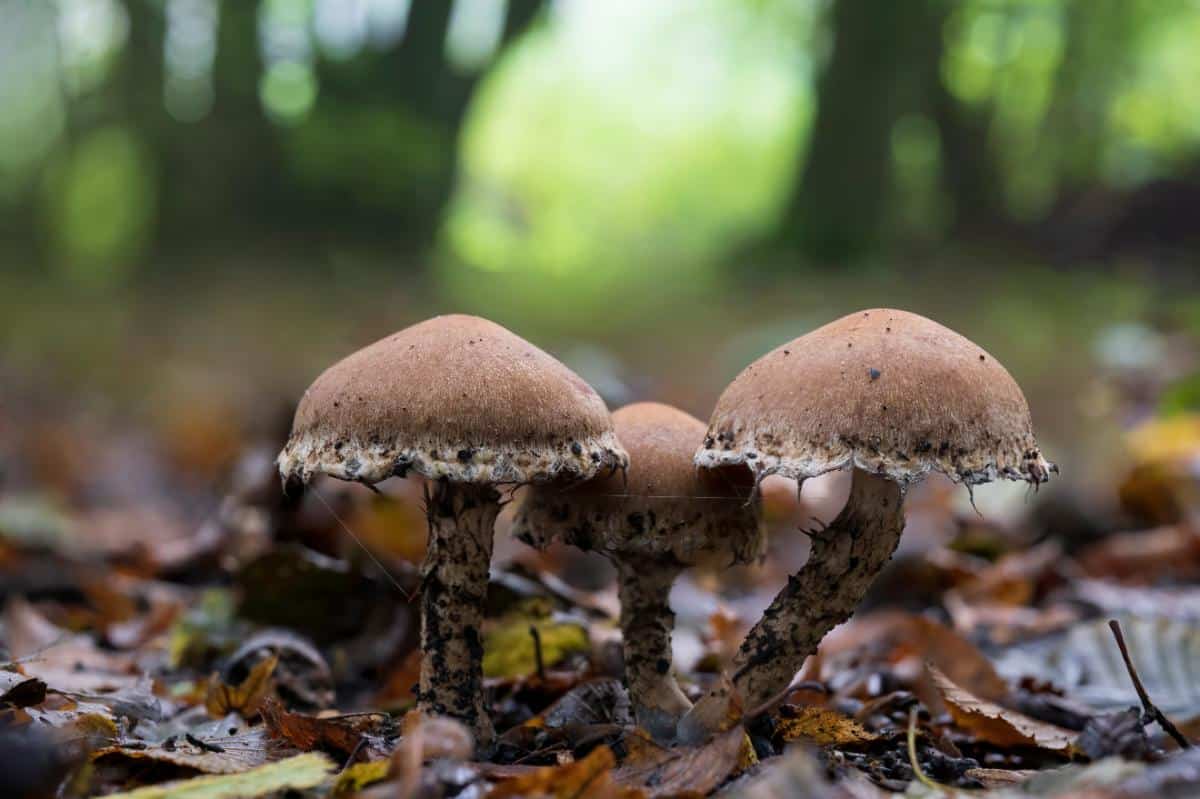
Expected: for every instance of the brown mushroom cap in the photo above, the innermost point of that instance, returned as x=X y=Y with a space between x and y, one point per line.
x=454 y=396
x=662 y=505
x=886 y=391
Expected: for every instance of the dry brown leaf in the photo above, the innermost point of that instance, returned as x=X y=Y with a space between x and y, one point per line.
x=65 y=661
x=20 y=690
x=1012 y=579
x=590 y=778
x=225 y=754
x=680 y=771
x=1169 y=554
x=998 y=725
x=905 y=642
x=76 y=721
x=821 y=726
x=361 y=733
x=245 y=698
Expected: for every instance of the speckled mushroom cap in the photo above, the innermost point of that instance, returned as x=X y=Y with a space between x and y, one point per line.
x=662 y=506
x=886 y=391
x=456 y=397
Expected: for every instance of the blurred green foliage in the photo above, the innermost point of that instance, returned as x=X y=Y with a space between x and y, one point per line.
x=519 y=149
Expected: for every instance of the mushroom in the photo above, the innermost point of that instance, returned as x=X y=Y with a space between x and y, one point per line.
x=470 y=406
x=891 y=396
x=665 y=515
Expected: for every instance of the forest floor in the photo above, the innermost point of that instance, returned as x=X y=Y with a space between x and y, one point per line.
x=170 y=627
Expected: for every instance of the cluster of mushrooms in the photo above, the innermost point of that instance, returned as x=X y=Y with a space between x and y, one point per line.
x=474 y=408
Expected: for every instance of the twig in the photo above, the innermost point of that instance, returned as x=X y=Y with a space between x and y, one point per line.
x=358 y=541
x=358 y=747
x=1151 y=710
x=912 y=754
x=202 y=745
x=537 y=652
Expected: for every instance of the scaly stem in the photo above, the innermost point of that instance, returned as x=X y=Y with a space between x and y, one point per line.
x=845 y=559
x=454 y=581
x=646 y=624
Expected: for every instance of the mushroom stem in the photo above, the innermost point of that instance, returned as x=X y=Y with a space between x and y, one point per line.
x=844 y=560
x=454 y=582
x=646 y=624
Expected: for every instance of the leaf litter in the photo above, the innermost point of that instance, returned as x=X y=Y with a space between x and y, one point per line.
x=251 y=648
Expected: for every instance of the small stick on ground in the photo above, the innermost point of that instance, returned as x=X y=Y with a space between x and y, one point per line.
x=914 y=761
x=1151 y=710
x=537 y=652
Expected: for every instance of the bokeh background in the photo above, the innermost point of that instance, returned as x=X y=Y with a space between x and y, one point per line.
x=204 y=202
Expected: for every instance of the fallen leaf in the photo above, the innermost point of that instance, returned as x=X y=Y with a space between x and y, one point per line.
x=1164 y=554
x=820 y=726
x=318 y=596
x=90 y=725
x=680 y=771
x=905 y=641
x=137 y=702
x=603 y=701
x=998 y=725
x=63 y=660
x=795 y=775
x=590 y=778
x=360 y=775
x=244 y=698
x=223 y=746
x=509 y=650
x=302 y=676
x=20 y=690
x=366 y=734
x=1083 y=660
x=294 y=774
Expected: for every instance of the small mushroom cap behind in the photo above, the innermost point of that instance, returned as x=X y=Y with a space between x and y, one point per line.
x=886 y=391
x=663 y=506
x=456 y=397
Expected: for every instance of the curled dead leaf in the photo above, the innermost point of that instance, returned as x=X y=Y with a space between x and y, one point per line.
x=363 y=735
x=904 y=642
x=246 y=697
x=998 y=725
x=20 y=690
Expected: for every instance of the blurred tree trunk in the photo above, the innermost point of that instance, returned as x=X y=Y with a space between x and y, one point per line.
x=969 y=171
x=443 y=92
x=140 y=74
x=1101 y=42
x=417 y=82
x=875 y=73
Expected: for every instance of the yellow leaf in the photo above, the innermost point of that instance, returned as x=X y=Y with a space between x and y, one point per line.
x=360 y=775
x=246 y=697
x=822 y=727
x=294 y=773
x=747 y=757
x=509 y=649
